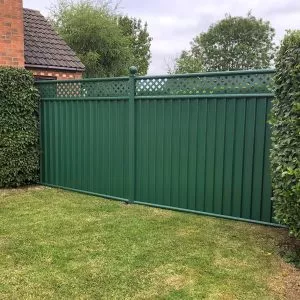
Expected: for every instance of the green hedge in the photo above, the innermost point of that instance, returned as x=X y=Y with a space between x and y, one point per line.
x=285 y=152
x=19 y=155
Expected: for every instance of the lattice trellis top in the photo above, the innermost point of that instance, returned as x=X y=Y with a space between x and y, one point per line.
x=218 y=83
x=84 y=88
x=193 y=84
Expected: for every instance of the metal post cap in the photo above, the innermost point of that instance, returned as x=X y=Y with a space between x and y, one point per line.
x=133 y=70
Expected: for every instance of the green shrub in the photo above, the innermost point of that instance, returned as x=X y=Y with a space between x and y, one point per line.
x=19 y=155
x=285 y=152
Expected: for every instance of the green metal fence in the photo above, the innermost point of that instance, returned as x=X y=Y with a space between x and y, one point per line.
x=195 y=142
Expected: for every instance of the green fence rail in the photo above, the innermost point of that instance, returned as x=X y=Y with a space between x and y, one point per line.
x=194 y=142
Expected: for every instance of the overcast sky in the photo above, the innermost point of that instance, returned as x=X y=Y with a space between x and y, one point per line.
x=174 y=23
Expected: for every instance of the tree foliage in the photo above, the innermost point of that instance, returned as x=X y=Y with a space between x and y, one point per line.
x=106 y=43
x=187 y=62
x=140 y=41
x=285 y=152
x=19 y=154
x=92 y=32
x=234 y=43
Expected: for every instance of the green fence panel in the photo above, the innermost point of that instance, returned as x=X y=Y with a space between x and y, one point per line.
x=203 y=154
x=85 y=136
x=195 y=142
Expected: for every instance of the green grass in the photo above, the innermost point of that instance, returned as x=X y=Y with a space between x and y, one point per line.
x=62 y=245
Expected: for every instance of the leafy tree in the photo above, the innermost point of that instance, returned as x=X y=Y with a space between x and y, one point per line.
x=105 y=43
x=285 y=152
x=234 y=43
x=140 y=41
x=187 y=62
x=92 y=32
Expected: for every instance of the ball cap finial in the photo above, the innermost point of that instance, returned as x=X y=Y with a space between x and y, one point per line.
x=133 y=70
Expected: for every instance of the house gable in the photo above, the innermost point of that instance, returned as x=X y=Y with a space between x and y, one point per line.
x=44 y=48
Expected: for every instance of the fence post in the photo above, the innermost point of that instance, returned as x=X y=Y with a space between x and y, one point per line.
x=131 y=196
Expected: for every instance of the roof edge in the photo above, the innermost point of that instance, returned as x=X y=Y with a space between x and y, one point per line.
x=31 y=9
x=55 y=68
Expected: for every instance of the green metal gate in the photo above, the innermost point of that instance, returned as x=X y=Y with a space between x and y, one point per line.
x=194 y=142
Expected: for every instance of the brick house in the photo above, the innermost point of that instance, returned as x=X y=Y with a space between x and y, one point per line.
x=28 y=40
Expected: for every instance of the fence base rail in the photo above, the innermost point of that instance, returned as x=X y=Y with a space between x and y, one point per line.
x=165 y=206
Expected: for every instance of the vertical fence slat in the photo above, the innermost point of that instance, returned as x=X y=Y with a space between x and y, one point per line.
x=258 y=158
x=239 y=156
x=43 y=142
x=91 y=151
x=219 y=155
x=176 y=153
x=229 y=156
x=75 y=147
x=167 y=159
x=131 y=139
x=210 y=155
x=192 y=154
x=248 y=158
x=159 y=151
x=62 y=145
x=201 y=154
x=56 y=124
x=184 y=148
x=138 y=124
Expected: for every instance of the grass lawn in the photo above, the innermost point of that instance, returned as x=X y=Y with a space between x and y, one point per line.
x=62 y=245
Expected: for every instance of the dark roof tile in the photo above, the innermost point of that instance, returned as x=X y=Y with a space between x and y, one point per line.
x=43 y=46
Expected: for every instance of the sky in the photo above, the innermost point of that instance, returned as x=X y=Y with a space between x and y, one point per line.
x=174 y=23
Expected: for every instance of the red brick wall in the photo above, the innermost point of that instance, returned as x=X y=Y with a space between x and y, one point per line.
x=11 y=33
x=58 y=74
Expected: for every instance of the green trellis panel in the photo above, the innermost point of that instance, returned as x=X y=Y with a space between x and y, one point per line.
x=195 y=142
